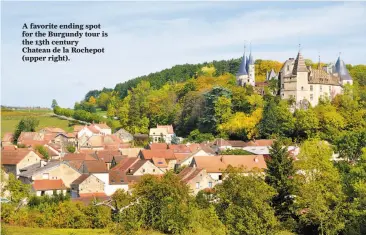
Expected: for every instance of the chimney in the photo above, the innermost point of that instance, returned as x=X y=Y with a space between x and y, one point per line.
x=42 y=163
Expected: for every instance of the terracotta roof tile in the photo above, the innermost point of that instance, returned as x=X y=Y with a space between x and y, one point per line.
x=180 y=148
x=78 y=156
x=159 y=162
x=125 y=164
x=249 y=162
x=102 y=126
x=80 y=179
x=131 y=152
x=158 y=146
x=212 y=164
x=194 y=147
x=262 y=142
x=41 y=185
x=14 y=156
x=168 y=154
x=8 y=137
x=95 y=166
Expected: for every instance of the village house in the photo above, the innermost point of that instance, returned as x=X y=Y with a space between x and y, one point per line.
x=16 y=159
x=162 y=134
x=216 y=165
x=48 y=187
x=167 y=154
x=52 y=170
x=137 y=167
x=86 y=183
x=109 y=157
x=65 y=139
x=7 y=139
x=93 y=166
x=197 y=179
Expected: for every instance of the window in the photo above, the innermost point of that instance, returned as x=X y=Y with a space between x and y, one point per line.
x=283 y=86
x=288 y=67
x=311 y=87
x=311 y=96
x=220 y=177
x=321 y=88
x=210 y=184
x=330 y=89
x=197 y=185
x=153 y=170
x=143 y=170
x=302 y=88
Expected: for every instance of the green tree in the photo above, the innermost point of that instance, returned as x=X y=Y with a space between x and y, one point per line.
x=306 y=124
x=70 y=148
x=54 y=104
x=197 y=137
x=17 y=189
x=208 y=121
x=277 y=120
x=43 y=151
x=244 y=204
x=26 y=124
x=279 y=174
x=319 y=197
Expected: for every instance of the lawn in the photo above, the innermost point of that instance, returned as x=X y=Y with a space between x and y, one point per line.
x=15 y=230
x=10 y=118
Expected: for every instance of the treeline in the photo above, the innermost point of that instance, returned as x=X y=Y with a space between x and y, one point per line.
x=81 y=115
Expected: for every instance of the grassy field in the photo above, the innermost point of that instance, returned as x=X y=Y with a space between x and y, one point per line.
x=14 y=230
x=10 y=118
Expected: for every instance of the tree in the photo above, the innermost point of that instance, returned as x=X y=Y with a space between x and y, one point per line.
x=197 y=137
x=306 y=123
x=18 y=190
x=279 y=174
x=244 y=204
x=209 y=120
x=350 y=145
x=43 y=151
x=54 y=104
x=319 y=197
x=26 y=124
x=277 y=120
x=70 y=148
x=175 y=140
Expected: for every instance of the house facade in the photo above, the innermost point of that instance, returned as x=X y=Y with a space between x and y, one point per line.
x=86 y=184
x=16 y=159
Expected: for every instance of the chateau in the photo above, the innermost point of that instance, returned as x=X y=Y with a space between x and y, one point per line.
x=246 y=73
x=297 y=81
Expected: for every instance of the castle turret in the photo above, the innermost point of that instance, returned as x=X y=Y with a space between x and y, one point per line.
x=251 y=69
x=342 y=71
x=242 y=74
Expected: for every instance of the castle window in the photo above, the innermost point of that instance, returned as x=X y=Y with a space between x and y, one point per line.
x=288 y=67
x=330 y=89
x=302 y=88
x=321 y=89
x=311 y=96
x=311 y=87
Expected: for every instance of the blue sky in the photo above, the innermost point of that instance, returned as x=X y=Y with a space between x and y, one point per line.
x=146 y=37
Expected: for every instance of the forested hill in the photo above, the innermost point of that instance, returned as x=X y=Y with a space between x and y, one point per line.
x=181 y=73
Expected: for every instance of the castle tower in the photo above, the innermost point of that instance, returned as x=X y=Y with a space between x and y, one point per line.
x=342 y=71
x=251 y=69
x=242 y=74
x=300 y=72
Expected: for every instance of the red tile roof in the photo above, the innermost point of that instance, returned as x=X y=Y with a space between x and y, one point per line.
x=262 y=142
x=125 y=164
x=8 y=137
x=159 y=162
x=189 y=173
x=102 y=126
x=194 y=147
x=168 y=154
x=95 y=166
x=158 y=146
x=180 y=148
x=78 y=156
x=14 y=156
x=40 y=185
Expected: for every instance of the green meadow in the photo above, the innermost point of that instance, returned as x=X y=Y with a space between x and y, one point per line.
x=10 y=119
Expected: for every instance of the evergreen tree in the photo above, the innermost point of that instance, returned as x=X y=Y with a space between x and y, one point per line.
x=280 y=172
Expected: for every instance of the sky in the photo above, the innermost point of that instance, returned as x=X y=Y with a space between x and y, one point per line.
x=146 y=37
